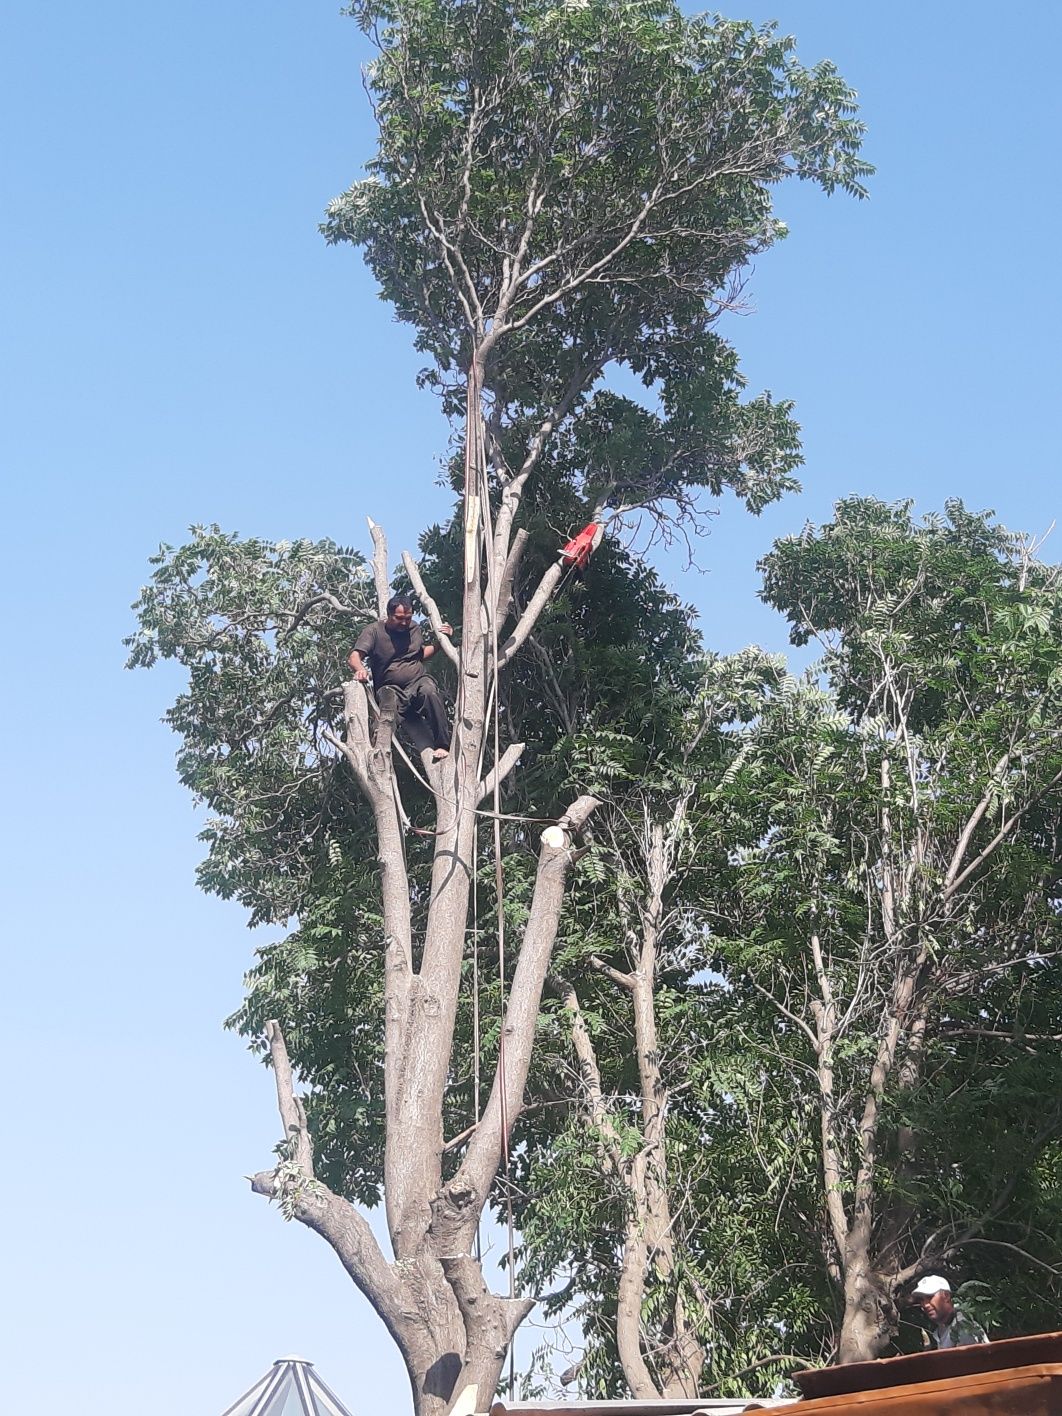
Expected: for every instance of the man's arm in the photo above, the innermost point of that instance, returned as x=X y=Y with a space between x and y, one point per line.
x=363 y=647
x=429 y=649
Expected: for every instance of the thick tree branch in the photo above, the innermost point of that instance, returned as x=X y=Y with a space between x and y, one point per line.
x=314 y=1205
x=379 y=566
x=509 y=573
x=498 y=773
x=484 y=1153
x=292 y=1111
x=490 y=1323
x=620 y=979
x=527 y=621
x=372 y=766
x=590 y=1075
x=434 y=617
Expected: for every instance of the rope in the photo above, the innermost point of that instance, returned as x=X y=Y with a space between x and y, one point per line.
x=475 y=1002
x=499 y=876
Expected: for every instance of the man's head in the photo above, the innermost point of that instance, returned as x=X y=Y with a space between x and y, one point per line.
x=933 y=1295
x=399 y=612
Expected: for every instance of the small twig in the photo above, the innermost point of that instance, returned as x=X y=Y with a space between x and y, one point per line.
x=763 y=1362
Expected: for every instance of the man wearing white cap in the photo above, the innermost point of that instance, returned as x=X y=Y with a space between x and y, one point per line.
x=950 y=1327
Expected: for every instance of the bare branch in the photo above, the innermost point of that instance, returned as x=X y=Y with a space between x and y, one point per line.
x=292 y=1111
x=521 y=1014
x=622 y=980
x=498 y=773
x=323 y=598
x=788 y=1358
x=435 y=618
x=538 y=602
x=1056 y=1269
x=1000 y=836
x=590 y=1073
x=974 y=820
x=787 y=1013
x=508 y=576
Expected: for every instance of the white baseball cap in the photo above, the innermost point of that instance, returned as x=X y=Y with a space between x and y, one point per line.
x=932 y=1283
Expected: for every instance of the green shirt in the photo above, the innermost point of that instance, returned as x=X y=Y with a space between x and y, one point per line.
x=960 y=1332
x=396 y=656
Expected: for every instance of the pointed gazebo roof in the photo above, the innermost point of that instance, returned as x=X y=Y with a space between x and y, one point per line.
x=290 y=1388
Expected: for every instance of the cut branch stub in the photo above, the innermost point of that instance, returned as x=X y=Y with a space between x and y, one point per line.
x=292 y=1112
x=379 y=566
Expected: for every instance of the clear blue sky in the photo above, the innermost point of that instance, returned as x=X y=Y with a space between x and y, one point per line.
x=178 y=345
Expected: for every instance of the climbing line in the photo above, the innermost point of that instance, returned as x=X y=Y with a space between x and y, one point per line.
x=494 y=609
x=475 y=1004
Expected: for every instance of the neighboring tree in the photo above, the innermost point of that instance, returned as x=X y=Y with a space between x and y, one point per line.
x=556 y=191
x=823 y=1058
x=653 y=1160
x=892 y=932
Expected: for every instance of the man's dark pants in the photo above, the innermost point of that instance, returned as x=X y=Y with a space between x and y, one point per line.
x=423 y=700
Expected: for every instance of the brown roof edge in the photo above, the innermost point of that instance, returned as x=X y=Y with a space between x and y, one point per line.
x=1015 y=1391
x=690 y=1406
x=944 y=1364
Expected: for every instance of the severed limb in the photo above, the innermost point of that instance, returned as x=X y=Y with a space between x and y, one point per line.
x=497 y=774
x=434 y=617
x=473 y=1179
x=538 y=602
x=379 y=566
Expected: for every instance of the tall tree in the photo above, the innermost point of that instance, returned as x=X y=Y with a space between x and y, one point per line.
x=556 y=191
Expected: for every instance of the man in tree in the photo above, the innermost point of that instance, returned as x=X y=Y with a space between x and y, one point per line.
x=949 y=1327
x=396 y=652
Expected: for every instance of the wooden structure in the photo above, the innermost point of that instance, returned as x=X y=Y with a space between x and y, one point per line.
x=1018 y=1376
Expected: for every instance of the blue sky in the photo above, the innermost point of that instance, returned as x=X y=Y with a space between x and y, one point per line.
x=178 y=345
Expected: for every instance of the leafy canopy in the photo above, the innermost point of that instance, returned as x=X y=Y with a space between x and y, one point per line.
x=564 y=187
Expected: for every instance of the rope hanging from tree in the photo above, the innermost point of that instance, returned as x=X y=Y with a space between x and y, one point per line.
x=480 y=520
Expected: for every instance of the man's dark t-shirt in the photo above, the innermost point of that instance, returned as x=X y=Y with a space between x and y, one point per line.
x=396 y=656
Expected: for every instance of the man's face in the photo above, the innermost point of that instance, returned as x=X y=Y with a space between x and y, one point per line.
x=401 y=617
x=937 y=1307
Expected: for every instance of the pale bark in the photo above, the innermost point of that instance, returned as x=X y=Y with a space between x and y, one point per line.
x=380 y=573
x=452 y=1331
x=649 y=1237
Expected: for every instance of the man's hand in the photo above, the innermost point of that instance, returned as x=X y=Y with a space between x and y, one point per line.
x=445 y=629
x=361 y=673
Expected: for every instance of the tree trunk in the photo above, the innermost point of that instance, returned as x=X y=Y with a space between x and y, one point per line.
x=649 y=1240
x=455 y=1334
x=870 y=1317
x=452 y=1331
